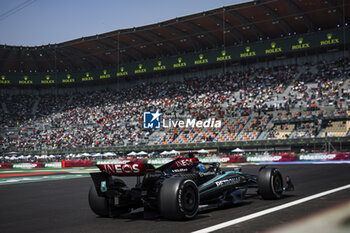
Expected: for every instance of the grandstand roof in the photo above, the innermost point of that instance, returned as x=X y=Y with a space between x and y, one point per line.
x=222 y=27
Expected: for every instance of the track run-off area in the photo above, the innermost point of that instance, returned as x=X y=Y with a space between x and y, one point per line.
x=13 y=176
x=60 y=203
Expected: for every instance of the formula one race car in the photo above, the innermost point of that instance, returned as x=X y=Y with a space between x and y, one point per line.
x=179 y=189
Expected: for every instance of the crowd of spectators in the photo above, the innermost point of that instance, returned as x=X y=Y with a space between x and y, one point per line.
x=114 y=117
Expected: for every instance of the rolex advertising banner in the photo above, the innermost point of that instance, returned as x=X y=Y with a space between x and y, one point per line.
x=260 y=49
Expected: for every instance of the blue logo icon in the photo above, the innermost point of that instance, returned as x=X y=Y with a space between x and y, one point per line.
x=151 y=120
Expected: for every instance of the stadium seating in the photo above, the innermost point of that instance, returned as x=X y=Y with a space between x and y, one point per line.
x=248 y=103
x=283 y=131
x=256 y=127
x=233 y=127
x=337 y=129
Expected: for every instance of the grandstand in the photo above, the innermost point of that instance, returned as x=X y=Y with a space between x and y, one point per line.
x=275 y=73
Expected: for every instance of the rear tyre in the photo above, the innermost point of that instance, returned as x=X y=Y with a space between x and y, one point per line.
x=103 y=206
x=270 y=183
x=99 y=205
x=179 y=198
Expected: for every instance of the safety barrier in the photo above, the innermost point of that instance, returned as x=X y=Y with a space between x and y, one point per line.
x=5 y=166
x=28 y=165
x=77 y=163
x=281 y=157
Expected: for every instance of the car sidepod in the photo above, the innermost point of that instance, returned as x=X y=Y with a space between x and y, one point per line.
x=226 y=188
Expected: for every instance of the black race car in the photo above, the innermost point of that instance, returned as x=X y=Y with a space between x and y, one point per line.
x=179 y=189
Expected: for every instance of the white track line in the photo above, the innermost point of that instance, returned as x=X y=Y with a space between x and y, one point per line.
x=271 y=210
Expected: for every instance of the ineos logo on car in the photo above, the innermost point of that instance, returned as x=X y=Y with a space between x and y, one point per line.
x=185 y=163
x=121 y=168
x=127 y=168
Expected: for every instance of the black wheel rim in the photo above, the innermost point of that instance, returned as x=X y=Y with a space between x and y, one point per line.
x=277 y=184
x=189 y=199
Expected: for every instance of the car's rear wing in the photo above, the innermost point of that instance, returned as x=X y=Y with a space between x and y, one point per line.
x=127 y=169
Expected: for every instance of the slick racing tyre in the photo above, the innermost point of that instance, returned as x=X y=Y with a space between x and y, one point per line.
x=178 y=198
x=270 y=183
x=99 y=205
x=102 y=206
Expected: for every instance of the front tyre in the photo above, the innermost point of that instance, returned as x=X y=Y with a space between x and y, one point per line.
x=179 y=198
x=270 y=183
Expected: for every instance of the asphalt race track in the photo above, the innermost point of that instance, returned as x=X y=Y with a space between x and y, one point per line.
x=61 y=205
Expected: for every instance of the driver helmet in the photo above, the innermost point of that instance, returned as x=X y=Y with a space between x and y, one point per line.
x=201 y=168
